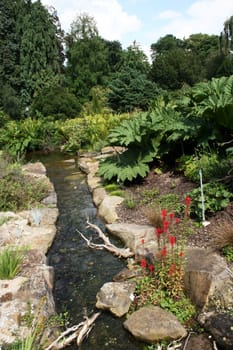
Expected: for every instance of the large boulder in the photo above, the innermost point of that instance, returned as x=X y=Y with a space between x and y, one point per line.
x=116 y=297
x=152 y=324
x=208 y=281
x=132 y=235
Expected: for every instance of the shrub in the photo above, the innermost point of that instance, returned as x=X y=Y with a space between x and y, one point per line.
x=216 y=197
x=10 y=261
x=19 y=191
x=213 y=167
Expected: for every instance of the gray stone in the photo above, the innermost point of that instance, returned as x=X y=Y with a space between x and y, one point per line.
x=152 y=324
x=132 y=235
x=199 y=342
x=116 y=297
x=98 y=196
x=208 y=281
x=107 y=208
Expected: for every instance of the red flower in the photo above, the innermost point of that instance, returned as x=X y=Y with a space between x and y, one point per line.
x=143 y=241
x=159 y=231
x=172 y=215
x=172 y=240
x=151 y=268
x=164 y=251
x=172 y=269
x=143 y=263
x=164 y=213
x=187 y=200
x=181 y=254
x=165 y=225
x=178 y=220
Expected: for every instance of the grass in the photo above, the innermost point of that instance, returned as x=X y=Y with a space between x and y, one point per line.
x=10 y=262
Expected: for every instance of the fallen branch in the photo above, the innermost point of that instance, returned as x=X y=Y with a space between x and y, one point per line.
x=78 y=332
x=120 y=252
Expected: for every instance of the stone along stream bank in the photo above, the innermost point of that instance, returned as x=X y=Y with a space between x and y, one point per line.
x=80 y=272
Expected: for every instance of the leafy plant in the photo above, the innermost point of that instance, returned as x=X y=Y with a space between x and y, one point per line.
x=10 y=261
x=228 y=253
x=212 y=166
x=127 y=166
x=216 y=197
x=129 y=201
x=19 y=191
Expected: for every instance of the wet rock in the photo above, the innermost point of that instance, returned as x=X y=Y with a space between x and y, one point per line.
x=126 y=274
x=152 y=324
x=116 y=297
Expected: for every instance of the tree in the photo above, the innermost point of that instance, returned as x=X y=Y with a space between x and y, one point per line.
x=87 y=57
x=40 y=50
x=131 y=90
x=174 y=68
x=57 y=102
x=136 y=59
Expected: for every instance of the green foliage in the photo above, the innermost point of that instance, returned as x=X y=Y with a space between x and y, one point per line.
x=213 y=166
x=170 y=202
x=10 y=261
x=129 y=202
x=88 y=132
x=128 y=165
x=131 y=90
x=18 y=138
x=56 y=101
x=19 y=191
x=213 y=100
x=228 y=253
x=216 y=196
x=148 y=196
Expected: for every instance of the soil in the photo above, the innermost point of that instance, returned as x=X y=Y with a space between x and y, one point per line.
x=166 y=183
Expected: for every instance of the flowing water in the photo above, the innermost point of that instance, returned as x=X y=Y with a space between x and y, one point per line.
x=80 y=271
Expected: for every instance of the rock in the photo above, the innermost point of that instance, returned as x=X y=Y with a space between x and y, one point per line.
x=132 y=235
x=199 y=342
x=152 y=324
x=98 y=195
x=208 y=281
x=116 y=297
x=126 y=274
x=34 y=169
x=107 y=208
x=220 y=325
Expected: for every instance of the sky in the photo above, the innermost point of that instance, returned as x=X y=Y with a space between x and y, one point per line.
x=145 y=21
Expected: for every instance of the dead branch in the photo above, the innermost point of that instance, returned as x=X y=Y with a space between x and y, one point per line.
x=78 y=332
x=120 y=252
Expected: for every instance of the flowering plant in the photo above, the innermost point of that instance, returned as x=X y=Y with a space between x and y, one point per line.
x=168 y=267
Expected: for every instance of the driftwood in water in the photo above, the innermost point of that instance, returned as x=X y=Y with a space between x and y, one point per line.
x=78 y=332
x=120 y=252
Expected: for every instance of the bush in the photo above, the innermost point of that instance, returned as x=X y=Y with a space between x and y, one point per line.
x=216 y=197
x=19 y=191
x=212 y=167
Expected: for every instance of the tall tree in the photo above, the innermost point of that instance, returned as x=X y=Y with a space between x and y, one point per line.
x=87 y=57
x=40 y=56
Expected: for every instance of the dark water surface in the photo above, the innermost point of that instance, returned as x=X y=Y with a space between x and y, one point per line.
x=80 y=271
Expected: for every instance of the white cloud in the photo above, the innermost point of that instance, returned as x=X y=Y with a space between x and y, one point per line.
x=112 y=21
x=169 y=14
x=203 y=16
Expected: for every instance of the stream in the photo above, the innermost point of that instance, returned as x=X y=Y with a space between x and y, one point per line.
x=80 y=271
